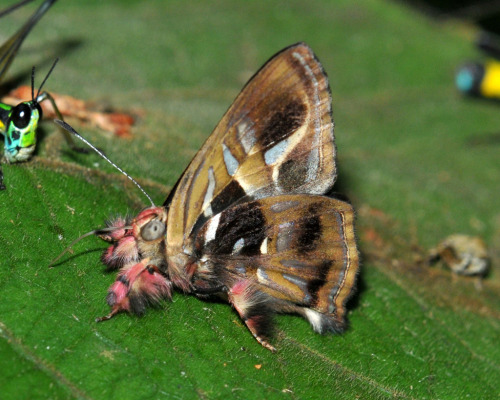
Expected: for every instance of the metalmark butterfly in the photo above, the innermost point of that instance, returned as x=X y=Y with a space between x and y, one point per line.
x=248 y=220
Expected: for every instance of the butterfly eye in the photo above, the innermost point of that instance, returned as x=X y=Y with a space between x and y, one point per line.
x=21 y=115
x=153 y=230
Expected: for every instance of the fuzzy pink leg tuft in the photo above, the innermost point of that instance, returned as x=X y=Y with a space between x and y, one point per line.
x=116 y=234
x=136 y=287
x=122 y=253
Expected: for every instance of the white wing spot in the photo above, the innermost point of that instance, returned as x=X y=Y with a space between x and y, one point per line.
x=262 y=276
x=246 y=135
x=238 y=245
x=231 y=162
x=263 y=246
x=209 y=194
x=213 y=223
x=275 y=152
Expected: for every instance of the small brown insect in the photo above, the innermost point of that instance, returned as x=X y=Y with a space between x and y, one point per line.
x=463 y=254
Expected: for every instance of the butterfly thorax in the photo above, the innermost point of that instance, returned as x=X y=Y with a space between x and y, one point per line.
x=18 y=125
x=146 y=242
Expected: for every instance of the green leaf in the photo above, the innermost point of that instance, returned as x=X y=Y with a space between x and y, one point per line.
x=418 y=161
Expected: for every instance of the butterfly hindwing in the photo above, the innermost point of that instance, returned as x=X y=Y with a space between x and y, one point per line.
x=299 y=249
x=276 y=138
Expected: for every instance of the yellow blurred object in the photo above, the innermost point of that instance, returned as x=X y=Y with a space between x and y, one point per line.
x=490 y=85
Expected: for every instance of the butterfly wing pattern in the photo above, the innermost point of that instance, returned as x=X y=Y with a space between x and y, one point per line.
x=249 y=220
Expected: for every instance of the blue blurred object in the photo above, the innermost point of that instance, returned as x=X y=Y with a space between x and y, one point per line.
x=481 y=79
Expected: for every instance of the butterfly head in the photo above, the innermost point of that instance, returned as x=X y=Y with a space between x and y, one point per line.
x=150 y=225
x=133 y=239
x=141 y=238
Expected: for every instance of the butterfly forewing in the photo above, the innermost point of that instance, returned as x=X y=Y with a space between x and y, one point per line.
x=300 y=249
x=277 y=138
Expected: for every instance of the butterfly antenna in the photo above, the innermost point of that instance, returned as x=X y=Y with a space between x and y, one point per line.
x=70 y=129
x=94 y=232
x=46 y=77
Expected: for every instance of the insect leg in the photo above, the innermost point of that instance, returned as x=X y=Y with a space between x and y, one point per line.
x=136 y=287
x=210 y=290
x=254 y=308
x=69 y=138
x=121 y=253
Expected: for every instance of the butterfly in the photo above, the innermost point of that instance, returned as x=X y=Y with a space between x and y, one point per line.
x=248 y=220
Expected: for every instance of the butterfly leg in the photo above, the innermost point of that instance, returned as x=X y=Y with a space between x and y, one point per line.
x=121 y=253
x=136 y=287
x=123 y=250
x=253 y=306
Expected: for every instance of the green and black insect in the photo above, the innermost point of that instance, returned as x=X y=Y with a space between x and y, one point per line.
x=18 y=124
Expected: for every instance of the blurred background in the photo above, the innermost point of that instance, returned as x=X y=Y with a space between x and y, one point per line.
x=486 y=14
x=417 y=157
